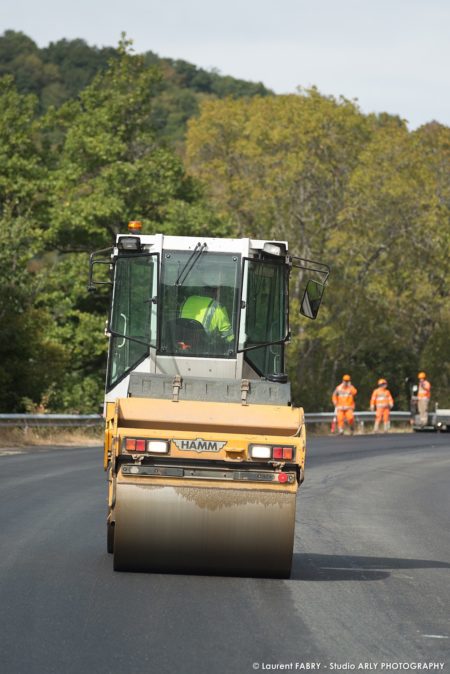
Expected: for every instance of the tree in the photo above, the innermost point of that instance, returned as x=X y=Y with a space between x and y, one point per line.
x=105 y=168
x=68 y=182
x=14 y=44
x=29 y=359
x=59 y=72
x=21 y=58
x=279 y=167
x=109 y=166
x=358 y=192
x=77 y=62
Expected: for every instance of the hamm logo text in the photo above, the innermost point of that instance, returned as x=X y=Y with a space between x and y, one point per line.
x=200 y=445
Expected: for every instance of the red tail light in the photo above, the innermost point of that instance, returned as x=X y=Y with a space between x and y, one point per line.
x=282 y=477
x=144 y=445
x=135 y=445
x=283 y=453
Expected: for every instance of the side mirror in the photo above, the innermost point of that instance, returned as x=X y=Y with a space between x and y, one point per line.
x=312 y=297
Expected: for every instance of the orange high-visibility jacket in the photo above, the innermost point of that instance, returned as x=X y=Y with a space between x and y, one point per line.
x=344 y=397
x=424 y=390
x=381 y=398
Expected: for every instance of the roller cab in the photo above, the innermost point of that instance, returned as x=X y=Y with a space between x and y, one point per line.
x=204 y=450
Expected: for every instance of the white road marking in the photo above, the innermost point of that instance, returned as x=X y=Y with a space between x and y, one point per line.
x=434 y=636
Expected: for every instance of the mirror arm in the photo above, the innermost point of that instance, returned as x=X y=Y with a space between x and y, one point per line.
x=92 y=261
x=319 y=267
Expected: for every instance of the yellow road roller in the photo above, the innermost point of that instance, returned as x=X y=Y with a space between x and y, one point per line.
x=204 y=450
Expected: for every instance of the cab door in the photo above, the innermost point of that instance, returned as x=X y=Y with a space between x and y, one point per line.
x=266 y=323
x=133 y=318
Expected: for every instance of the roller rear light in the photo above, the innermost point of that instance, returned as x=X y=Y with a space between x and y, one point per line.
x=134 y=445
x=276 y=452
x=146 y=445
x=157 y=446
x=260 y=451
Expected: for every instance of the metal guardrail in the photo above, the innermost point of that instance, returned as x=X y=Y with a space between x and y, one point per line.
x=29 y=420
x=361 y=417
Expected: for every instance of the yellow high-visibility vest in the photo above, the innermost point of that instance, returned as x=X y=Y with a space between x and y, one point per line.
x=211 y=314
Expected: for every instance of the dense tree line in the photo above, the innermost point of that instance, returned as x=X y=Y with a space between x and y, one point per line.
x=69 y=180
x=359 y=192
x=60 y=71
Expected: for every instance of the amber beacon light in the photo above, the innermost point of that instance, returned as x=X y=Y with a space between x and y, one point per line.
x=135 y=226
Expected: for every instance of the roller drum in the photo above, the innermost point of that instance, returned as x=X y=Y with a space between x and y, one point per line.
x=208 y=530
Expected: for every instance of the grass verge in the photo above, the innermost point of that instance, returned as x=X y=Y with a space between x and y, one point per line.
x=26 y=437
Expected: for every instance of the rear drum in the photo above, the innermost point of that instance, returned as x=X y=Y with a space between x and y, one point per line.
x=203 y=530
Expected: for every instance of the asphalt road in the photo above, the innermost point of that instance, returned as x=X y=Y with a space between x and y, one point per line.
x=370 y=583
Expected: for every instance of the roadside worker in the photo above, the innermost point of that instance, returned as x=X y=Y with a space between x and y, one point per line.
x=344 y=404
x=423 y=398
x=381 y=403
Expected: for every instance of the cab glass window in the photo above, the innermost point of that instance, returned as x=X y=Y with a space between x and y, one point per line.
x=133 y=322
x=266 y=318
x=199 y=304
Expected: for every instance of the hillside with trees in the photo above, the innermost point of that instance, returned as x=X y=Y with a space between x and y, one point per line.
x=91 y=138
x=60 y=71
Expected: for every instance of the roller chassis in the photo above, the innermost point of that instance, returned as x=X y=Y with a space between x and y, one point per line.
x=239 y=514
x=204 y=450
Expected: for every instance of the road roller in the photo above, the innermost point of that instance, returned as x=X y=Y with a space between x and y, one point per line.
x=204 y=449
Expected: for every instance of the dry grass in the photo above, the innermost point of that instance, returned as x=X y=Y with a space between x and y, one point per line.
x=66 y=437
x=26 y=437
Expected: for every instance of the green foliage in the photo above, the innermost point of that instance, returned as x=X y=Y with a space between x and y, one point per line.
x=59 y=72
x=107 y=168
x=77 y=321
x=360 y=193
x=110 y=168
x=189 y=76
x=77 y=63
x=21 y=174
x=69 y=181
x=21 y=58
x=29 y=359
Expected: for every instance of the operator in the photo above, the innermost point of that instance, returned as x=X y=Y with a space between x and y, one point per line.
x=344 y=403
x=423 y=398
x=210 y=313
x=381 y=403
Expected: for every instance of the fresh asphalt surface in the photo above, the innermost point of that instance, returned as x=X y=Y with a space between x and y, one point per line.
x=370 y=581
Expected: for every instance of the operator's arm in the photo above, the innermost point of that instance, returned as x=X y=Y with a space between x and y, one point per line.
x=222 y=324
